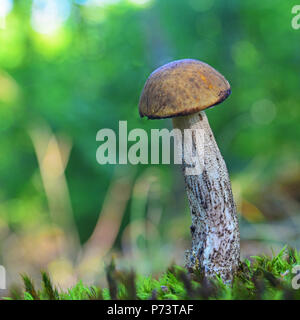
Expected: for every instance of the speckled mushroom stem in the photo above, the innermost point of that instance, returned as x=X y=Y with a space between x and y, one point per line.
x=215 y=232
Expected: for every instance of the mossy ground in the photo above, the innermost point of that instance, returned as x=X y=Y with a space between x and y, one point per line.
x=261 y=278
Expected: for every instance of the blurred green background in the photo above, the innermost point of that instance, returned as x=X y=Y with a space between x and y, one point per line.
x=70 y=68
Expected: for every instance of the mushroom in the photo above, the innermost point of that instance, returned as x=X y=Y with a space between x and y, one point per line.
x=182 y=90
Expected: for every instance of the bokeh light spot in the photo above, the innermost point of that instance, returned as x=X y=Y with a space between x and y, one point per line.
x=245 y=54
x=140 y=2
x=263 y=111
x=97 y=2
x=49 y=15
x=5 y=7
x=201 y=6
x=82 y=2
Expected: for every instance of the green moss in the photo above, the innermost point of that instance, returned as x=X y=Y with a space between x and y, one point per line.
x=261 y=278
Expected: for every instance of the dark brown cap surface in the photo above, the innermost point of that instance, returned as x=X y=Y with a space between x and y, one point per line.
x=181 y=88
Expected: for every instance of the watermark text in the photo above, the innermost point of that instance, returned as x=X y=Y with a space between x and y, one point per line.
x=296 y=18
x=188 y=147
x=2 y=278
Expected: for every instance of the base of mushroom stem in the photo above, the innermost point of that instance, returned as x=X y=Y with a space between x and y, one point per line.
x=193 y=265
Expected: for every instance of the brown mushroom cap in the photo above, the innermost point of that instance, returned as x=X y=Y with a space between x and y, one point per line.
x=181 y=88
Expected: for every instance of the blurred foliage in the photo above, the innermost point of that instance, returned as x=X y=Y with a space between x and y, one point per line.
x=262 y=279
x=70 y=68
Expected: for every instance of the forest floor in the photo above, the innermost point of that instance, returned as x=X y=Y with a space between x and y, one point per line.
x=260 y=277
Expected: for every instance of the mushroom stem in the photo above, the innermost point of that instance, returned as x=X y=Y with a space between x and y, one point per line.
x=215 y=232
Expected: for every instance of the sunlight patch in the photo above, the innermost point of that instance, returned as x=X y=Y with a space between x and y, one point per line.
x=49 y=15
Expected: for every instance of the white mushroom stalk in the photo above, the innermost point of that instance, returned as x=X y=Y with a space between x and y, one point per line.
x=215 y=232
